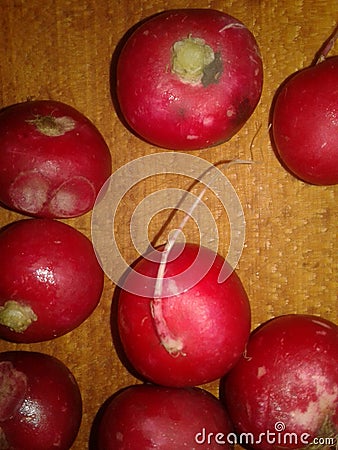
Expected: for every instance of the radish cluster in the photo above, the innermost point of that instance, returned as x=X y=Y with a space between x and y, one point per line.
x=53 y=163
x=180 y=324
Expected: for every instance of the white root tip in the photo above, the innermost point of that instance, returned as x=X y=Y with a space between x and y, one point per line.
x=172 y=344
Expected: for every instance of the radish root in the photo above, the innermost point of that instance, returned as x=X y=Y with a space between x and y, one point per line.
x=326 y=48
x=173 y=344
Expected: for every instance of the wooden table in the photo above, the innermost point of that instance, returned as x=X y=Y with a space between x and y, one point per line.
x=62 y=50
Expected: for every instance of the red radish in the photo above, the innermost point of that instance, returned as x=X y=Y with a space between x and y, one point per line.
x=50 y=280
x=40 y=402
x=189 y=78
x=53 y=160
x=305 y=121
x=283 y=393
x=183 y=314
x=145 y=416
x=194 y=328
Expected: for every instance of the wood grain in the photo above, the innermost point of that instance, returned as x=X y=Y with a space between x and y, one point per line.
x=63 y=50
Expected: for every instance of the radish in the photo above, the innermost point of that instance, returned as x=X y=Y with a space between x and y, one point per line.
x=194 y=331
x=188 y=78
x=40 y=402
x=183 y=315
x=283 y=392
x=145 y=416
x=53 y=160
x=50 y=280
x=305 y=121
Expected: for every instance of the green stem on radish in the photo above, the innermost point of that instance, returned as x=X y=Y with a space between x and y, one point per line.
x=194 y=62
x=53 y=126
x=16 y=316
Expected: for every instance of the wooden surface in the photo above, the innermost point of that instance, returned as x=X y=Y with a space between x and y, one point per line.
x=62 y=50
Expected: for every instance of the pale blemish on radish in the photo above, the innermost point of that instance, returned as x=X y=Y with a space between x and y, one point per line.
x=322 y=324
x=232 y=25
x=145 y=318
x=315 y=413
x=13 y=386
x=45 y=275
x=192 y=137
x=73 y=197
x=208 y=121
x=119 y=436
x=261 y=371
x=29 y=191
x=321 y=333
